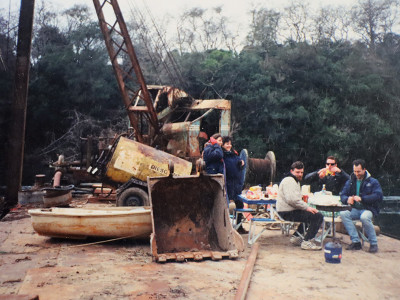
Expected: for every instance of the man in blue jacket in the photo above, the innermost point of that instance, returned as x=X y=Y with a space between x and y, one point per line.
x=364 y=194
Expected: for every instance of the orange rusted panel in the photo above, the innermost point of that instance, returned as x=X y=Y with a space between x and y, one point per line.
x=182 y=138
x=193 y=145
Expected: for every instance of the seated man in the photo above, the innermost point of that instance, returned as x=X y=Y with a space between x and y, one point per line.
x=364 y=194
x=291 y=207
x=333 y=177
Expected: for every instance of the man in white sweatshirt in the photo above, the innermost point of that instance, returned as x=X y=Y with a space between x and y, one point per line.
x=291 y=207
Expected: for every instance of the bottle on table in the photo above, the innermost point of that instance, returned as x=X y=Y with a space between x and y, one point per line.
x=323 y=189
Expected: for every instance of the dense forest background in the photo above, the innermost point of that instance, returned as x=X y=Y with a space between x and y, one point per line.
x=304 y=84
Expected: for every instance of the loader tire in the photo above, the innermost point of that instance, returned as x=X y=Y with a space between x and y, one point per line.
x=133 y=197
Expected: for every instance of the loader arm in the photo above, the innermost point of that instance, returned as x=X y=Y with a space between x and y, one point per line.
x=119 y=45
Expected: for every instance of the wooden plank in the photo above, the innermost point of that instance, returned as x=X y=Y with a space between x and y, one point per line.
x=248 y=270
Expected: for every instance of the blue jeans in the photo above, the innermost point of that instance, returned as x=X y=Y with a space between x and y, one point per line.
x=365 y=216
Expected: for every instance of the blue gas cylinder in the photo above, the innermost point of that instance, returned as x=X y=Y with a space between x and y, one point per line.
x=333 y=252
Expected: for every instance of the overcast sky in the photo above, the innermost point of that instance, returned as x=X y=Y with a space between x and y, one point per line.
x=236 y=11
x=232 y=7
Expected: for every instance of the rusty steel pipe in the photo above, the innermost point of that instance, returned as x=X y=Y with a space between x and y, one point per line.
x=39 y=180
x=246 y=276
x=57 y=179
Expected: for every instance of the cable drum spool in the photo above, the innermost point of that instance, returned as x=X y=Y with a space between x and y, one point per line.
x=258 y=171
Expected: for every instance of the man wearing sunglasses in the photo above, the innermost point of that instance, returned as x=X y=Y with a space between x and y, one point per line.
x=333 y=177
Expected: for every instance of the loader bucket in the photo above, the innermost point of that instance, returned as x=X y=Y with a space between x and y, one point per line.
x=190 y=219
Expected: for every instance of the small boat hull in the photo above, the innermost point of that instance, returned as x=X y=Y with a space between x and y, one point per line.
x=79 y=223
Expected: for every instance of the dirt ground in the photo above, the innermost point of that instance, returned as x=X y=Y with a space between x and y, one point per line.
x=63 y=269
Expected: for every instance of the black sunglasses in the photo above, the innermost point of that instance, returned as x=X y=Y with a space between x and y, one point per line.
x=331 y=164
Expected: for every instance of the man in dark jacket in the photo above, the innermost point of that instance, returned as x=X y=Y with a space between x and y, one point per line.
x=333 y=177
x=364 y=194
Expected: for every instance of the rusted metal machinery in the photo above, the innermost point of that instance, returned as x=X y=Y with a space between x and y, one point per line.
x=68 y=171
x=190 y=216
x=119 y=45
x=193 y=224
x=133 y=159
x=257 y=170
x=130 y=163
x=163 y=117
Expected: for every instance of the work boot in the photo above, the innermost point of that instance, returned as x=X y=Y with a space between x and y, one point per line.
x=373 y=248
x=241 y=230
x=354 y=246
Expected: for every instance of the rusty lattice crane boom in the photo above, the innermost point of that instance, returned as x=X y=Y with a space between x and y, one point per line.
x=119 y=47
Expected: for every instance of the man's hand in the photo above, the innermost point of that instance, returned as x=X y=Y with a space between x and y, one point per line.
x=350 y=200
x=336 y=170
x=322 y=173
x=213 y=141
x=312 y=210
x=357 y=198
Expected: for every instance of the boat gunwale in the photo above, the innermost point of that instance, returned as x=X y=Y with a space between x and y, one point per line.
x=93 y=213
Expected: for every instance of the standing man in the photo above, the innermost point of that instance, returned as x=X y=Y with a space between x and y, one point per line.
x=291 y=207
x=364 y=194
x=333 y=177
